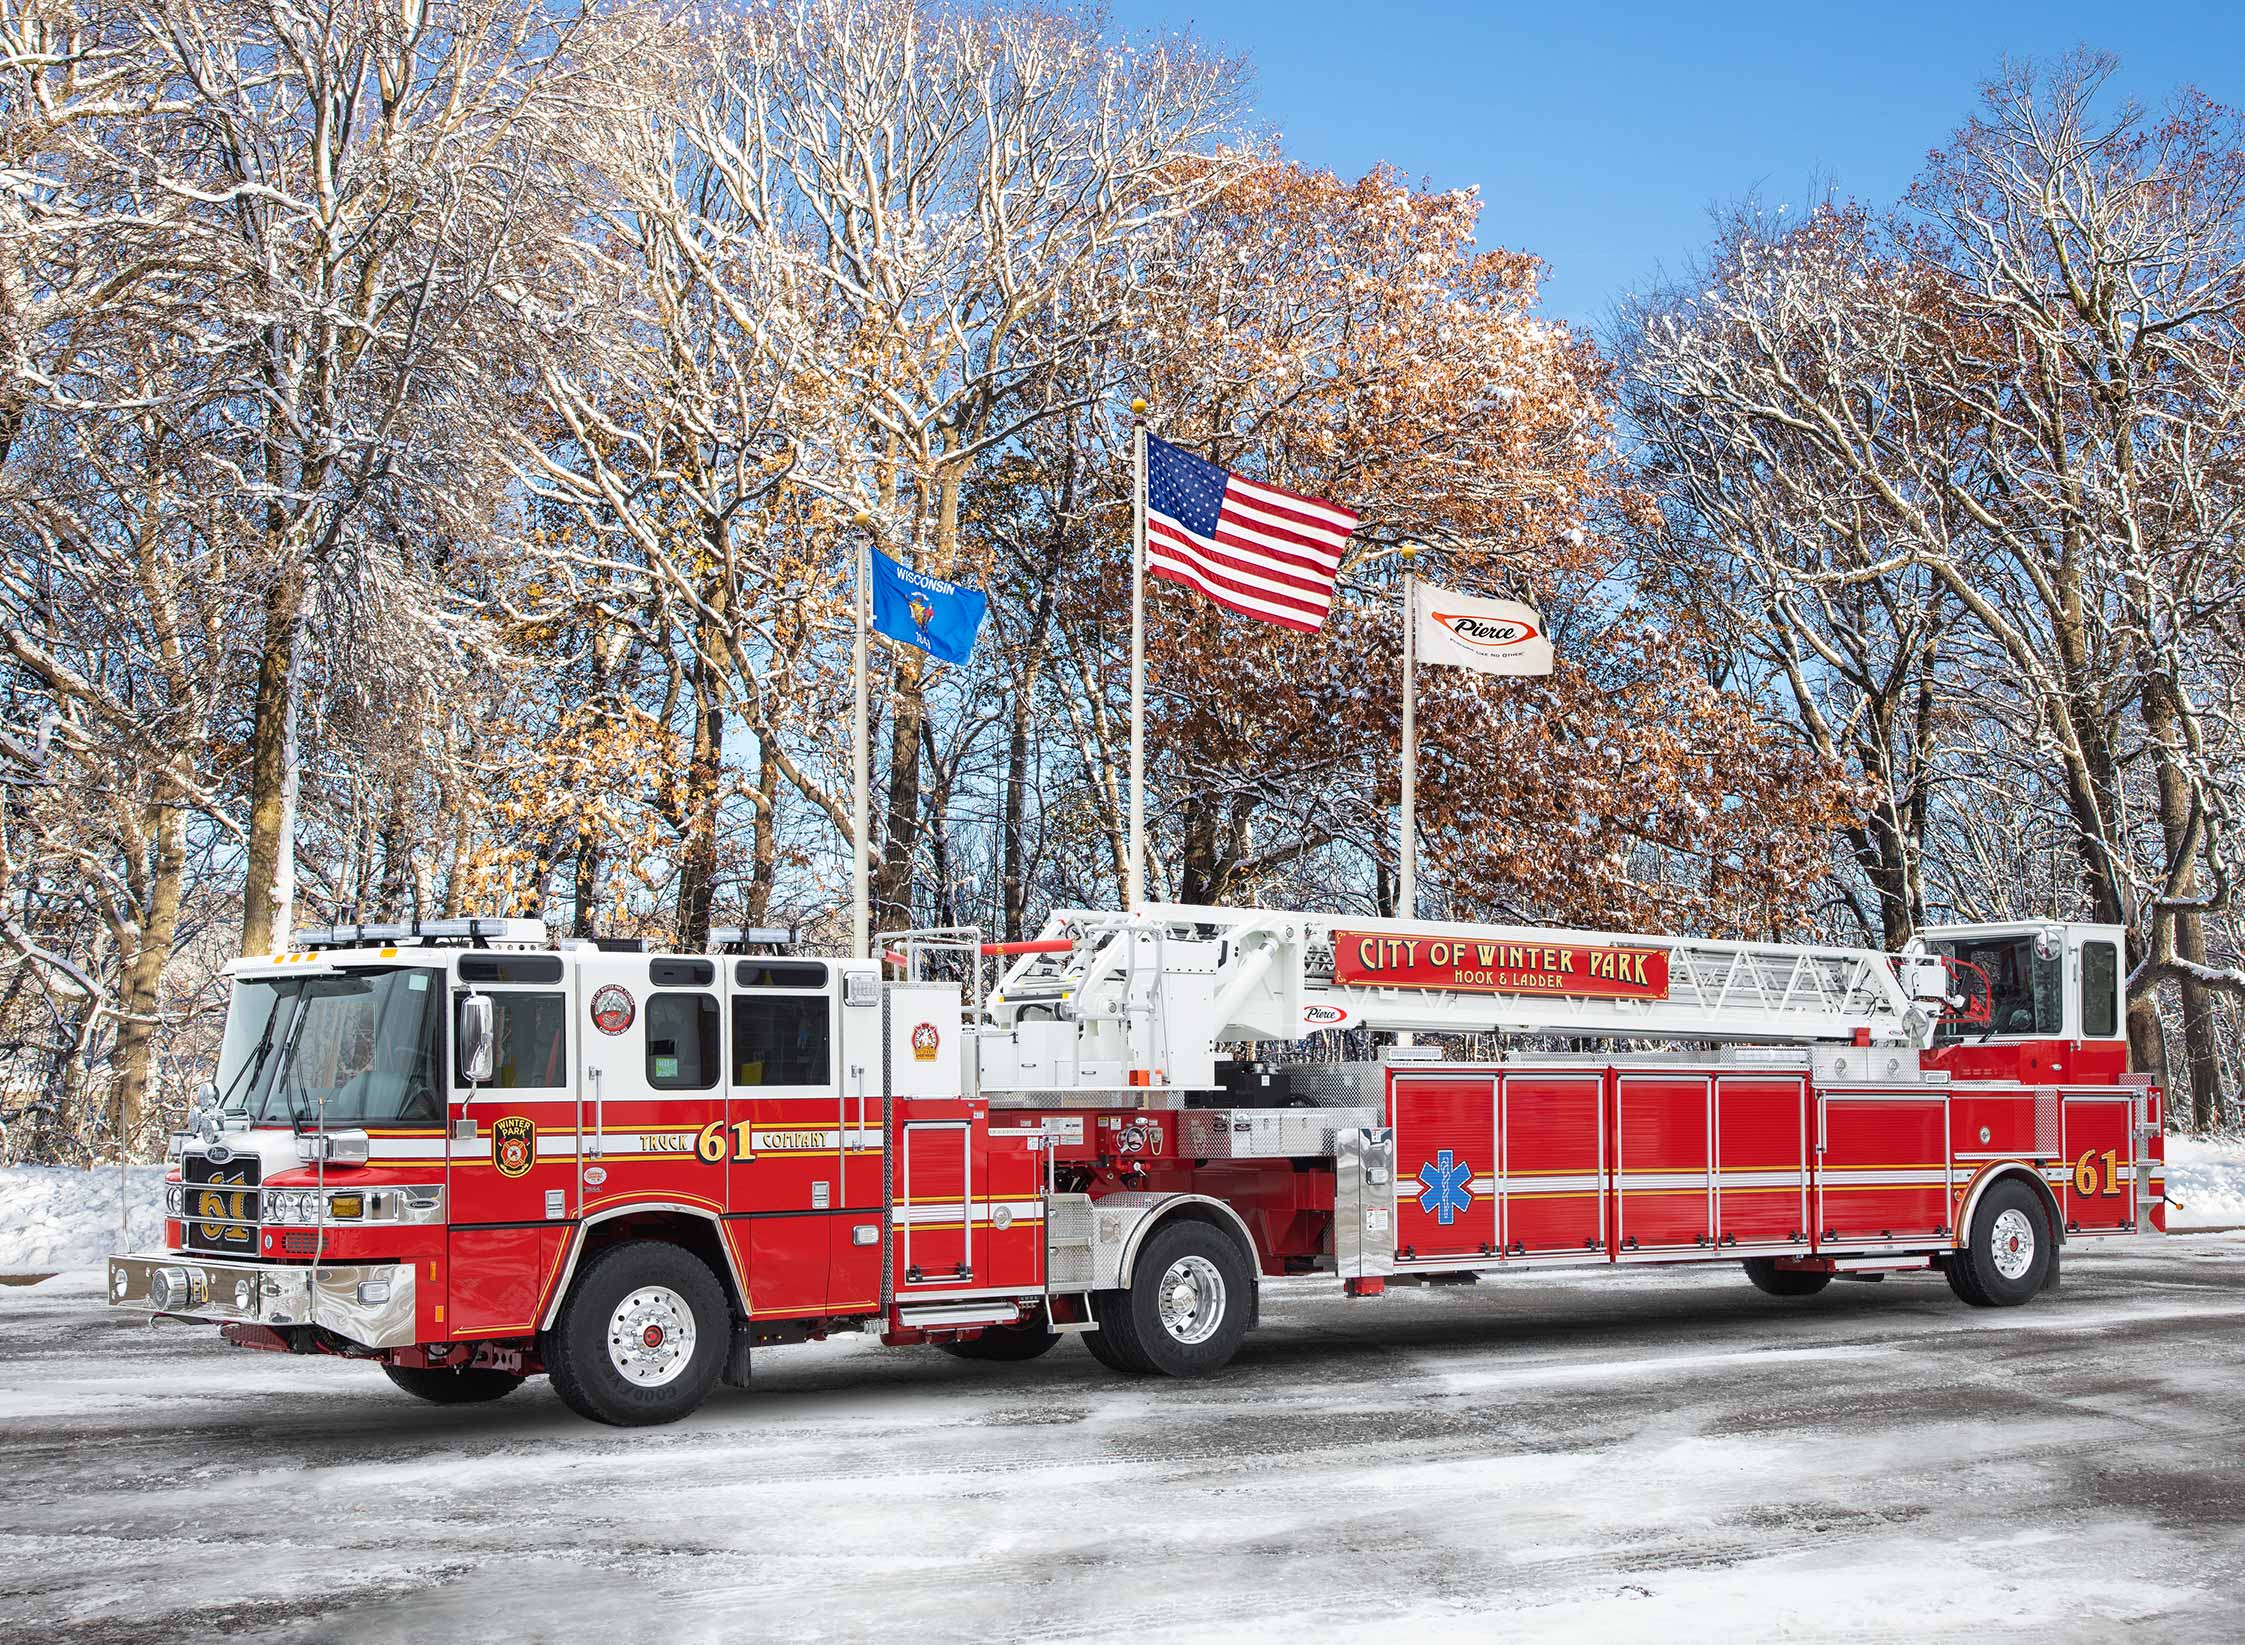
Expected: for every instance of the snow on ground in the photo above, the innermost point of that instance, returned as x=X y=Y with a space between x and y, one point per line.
x=1665 y=1457
x=2206 y=1177
x=54 y=1218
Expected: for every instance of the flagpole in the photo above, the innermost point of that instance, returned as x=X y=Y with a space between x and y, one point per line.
x=1134 y=880
x=861 y=856
x=1407 y=887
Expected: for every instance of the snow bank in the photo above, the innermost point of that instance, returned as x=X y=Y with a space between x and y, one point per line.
x=2207 y=1174
x=54 y=1218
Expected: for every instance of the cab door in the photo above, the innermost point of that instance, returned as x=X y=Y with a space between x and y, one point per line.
x=790 y=1180
x=514 y=1144
x=654 y=1081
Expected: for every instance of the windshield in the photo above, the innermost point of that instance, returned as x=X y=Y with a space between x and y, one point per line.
x=2025 y=993
x=364 y=1044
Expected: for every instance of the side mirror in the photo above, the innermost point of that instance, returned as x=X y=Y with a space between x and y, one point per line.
x=476 y=1049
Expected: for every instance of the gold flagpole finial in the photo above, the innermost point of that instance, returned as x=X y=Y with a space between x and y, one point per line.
x=1138 y=408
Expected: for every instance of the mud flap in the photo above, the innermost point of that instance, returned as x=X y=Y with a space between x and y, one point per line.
x=2057 y=1250
x=735 y=1374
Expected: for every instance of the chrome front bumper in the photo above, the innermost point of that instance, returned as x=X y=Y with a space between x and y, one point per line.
x=367 y=1303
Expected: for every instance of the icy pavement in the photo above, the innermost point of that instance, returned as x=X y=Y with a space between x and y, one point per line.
x=1642 y=1456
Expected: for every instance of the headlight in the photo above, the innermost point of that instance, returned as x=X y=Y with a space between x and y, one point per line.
x=174 y=1198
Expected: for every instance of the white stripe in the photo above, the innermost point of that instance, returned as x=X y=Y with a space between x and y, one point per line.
x=1844 y=1177
x=1343 y=520
x=1021 y=1210
x=1252 y=523
x=1194 y=575
x=1258 y=578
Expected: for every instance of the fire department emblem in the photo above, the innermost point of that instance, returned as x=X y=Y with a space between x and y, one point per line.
x=924 y=1041
x=612 y=1009
x=514 y=1146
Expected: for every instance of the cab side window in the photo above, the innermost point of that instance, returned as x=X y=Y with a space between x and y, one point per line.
x=528 y=1031
x=2100 y=989
x=781 y=1039
x=682 y=1033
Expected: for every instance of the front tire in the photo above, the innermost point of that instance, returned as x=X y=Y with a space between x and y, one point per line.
x=642 y=1337
x=1186 y=1308
x=1784 y=1282
x=2006 y=1258
x=1005 y=1344
x=441 y=1387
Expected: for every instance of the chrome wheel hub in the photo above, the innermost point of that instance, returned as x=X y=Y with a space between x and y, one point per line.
x=1192 y=1300
x=2014 y=1243
x=651 y=1336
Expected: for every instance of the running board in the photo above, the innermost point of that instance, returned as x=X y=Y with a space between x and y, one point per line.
x=943 y=1316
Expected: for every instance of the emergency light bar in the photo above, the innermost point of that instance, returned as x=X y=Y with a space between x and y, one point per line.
x=752 y=936
x=480 y=929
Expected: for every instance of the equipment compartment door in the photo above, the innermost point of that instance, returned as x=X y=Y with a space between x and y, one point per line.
x=1445 y=1165
x=1664 y=1190
x=1553 y=1195
x=935 y=1205
x=1883 y=1170
x=2100 y=1159
x=1761 y=1161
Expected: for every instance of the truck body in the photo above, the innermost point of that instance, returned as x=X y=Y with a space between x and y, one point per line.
x=471 y=1156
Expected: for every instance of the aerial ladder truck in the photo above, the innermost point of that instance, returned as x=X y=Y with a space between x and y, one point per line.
x=470 y=1155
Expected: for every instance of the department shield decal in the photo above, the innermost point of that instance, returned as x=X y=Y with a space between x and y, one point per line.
x=514 y=1146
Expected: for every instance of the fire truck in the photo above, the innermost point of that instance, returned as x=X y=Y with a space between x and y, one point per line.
x=467 y=1154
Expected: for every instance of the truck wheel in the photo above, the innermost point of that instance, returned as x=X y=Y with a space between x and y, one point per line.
x=1006 y=1343
x=1783 y=1282
x=1110 y=1352
x=441 y=1387
x=642 y=1336
x=2007 y=1255
x=1186 y=1308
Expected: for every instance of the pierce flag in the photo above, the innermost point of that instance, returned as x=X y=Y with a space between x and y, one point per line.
x=1492 y=636
x=939 y=617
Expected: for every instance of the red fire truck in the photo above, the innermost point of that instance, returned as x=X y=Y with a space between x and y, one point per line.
x=469 y=1155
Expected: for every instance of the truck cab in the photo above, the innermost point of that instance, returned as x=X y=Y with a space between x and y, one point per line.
x=422 y=1141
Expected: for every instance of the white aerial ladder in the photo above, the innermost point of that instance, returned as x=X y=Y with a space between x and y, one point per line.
x=1109 y=1001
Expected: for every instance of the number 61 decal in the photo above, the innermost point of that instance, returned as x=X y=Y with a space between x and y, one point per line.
x=2098 y=1174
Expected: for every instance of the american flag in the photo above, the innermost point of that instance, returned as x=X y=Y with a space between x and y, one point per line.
x=1251 y=548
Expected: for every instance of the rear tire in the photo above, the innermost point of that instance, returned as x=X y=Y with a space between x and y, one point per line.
x=1005 y=1344
x=1110 y=1352
x=1783 y=1282
x=441 y=1387
x=2006 y=1257
x=1186 y=1308
x=642 y=1337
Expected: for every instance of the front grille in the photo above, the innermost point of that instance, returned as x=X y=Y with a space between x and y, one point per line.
x=221 y=1203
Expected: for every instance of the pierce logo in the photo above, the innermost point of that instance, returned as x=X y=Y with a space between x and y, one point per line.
x=1323 y=1016
x=514 y=1145
x=612 y=1009
x=1487 y=633
x=925 y=1039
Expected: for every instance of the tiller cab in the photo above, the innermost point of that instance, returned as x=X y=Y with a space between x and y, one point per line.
x=467 y=1156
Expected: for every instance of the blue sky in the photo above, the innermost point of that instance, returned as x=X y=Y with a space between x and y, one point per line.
x=1600 y=135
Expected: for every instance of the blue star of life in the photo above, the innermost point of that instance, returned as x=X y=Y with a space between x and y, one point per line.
x=1447 y=1192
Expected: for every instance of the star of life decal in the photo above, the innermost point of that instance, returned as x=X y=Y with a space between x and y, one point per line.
x=1446 y=1183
